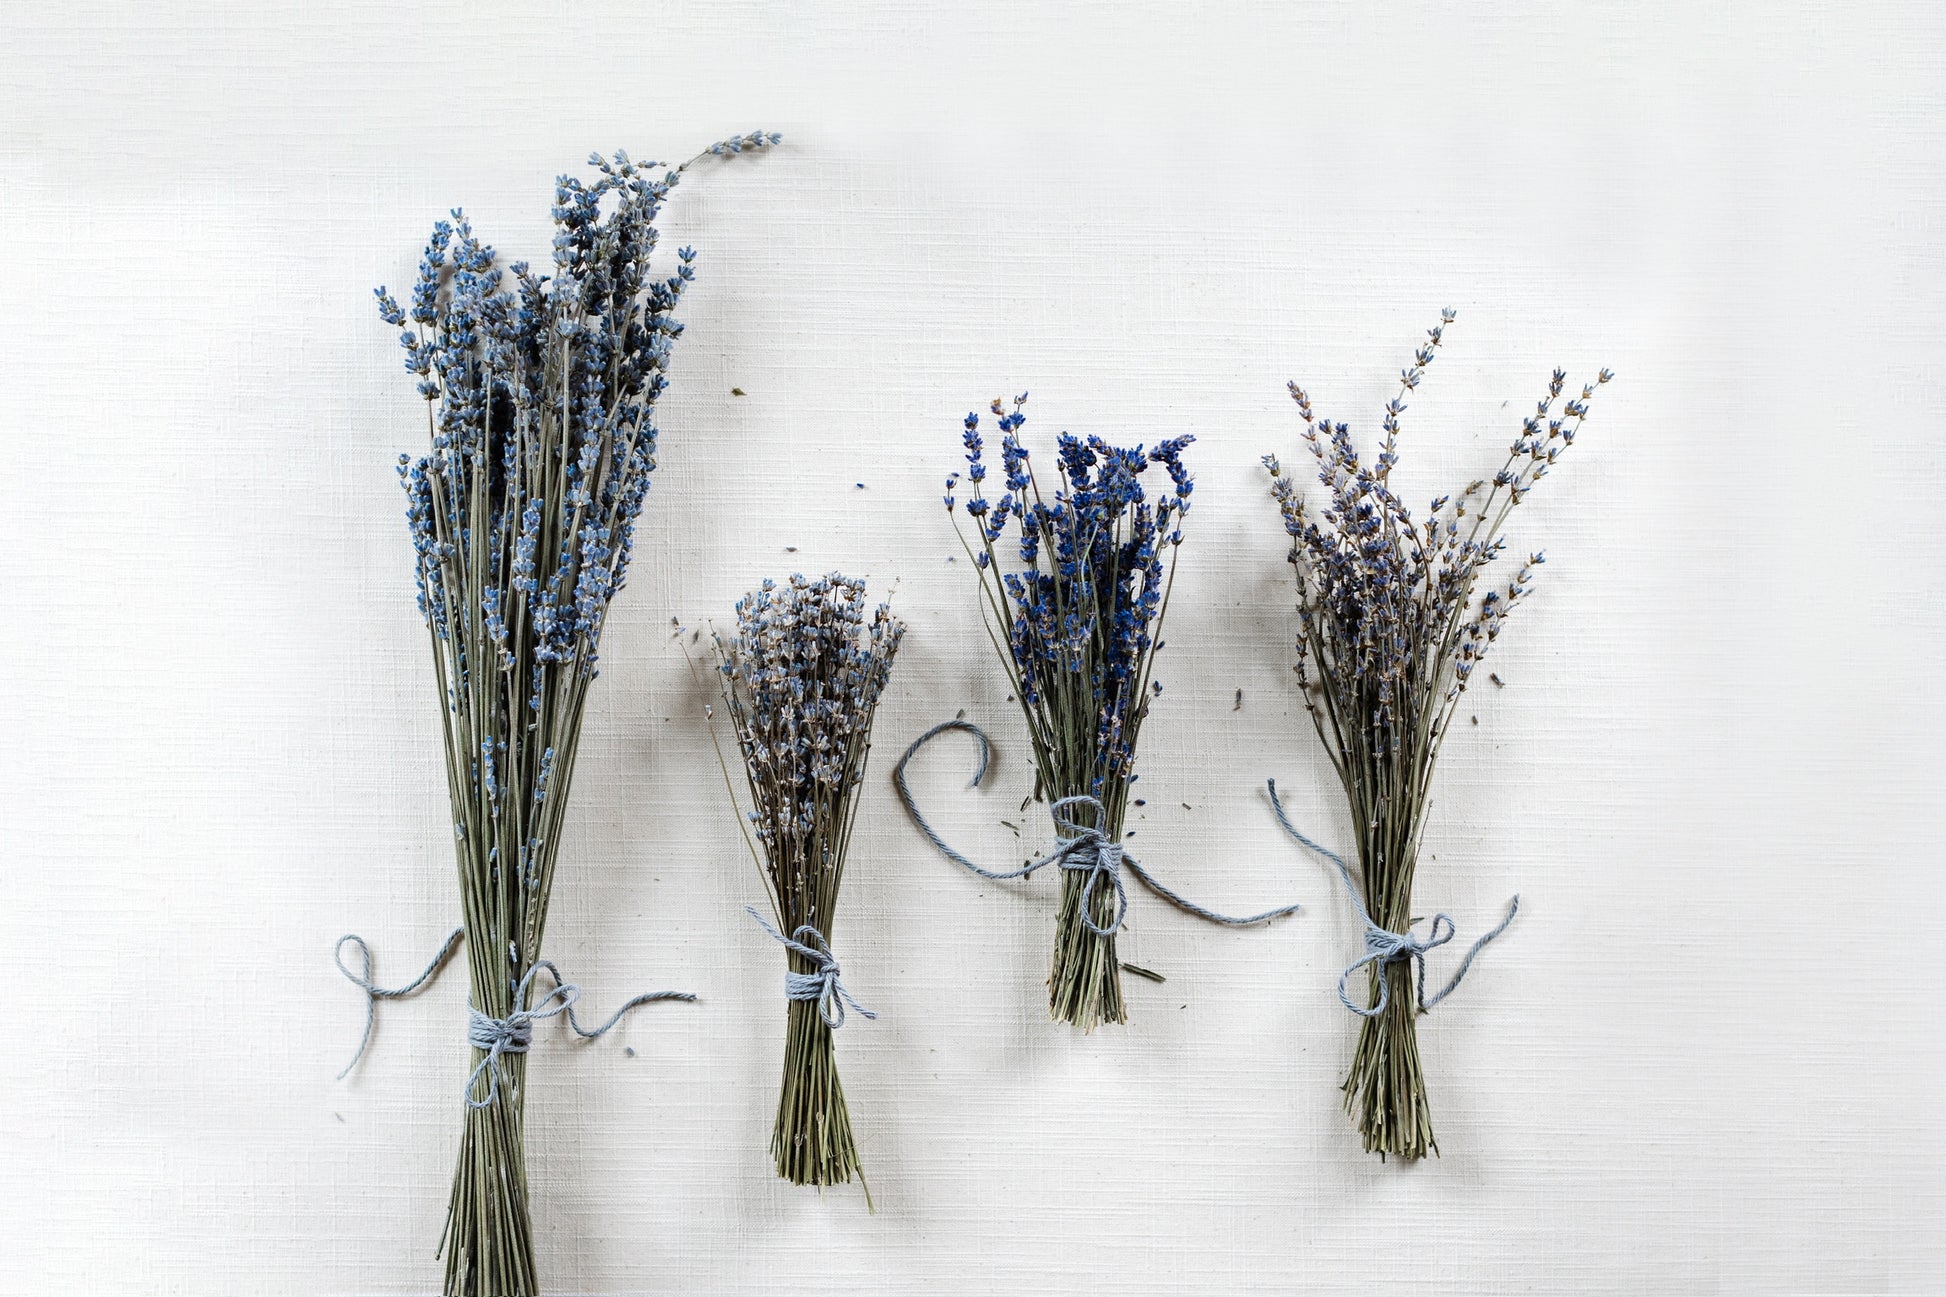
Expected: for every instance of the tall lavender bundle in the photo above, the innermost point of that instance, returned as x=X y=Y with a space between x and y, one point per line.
x=1074 y=623
x=540 y=393
x=801 y=681
x=1393 y=624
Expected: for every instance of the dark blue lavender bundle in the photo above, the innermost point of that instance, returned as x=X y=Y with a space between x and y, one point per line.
x=1083 y=606
x=1074 y=583
x=540 y=392
x=1395 y=615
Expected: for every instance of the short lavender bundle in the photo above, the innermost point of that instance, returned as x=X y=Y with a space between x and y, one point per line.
x=540 y=393
x=1074 y=623
x=801 y=681
x=1393 y=624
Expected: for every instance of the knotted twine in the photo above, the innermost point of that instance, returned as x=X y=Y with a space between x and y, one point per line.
x=495 y=1037
x=1383 y=946
x=1081 y=848
x=822 y=986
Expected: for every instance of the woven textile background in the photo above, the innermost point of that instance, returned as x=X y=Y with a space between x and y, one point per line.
x=1704 y=1060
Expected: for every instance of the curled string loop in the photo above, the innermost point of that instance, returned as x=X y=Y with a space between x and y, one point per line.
x=1082 y=848
x=374 y=993
x=822 y=986
x=1382 y=945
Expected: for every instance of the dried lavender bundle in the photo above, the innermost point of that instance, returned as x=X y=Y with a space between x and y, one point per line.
x=1393 y=622
x=540 y=392
x=801 y=681
x=1074 y=625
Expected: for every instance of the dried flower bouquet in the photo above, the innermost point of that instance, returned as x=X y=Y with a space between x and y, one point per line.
x=540 y=392
x=802 y=678
x=1074 y=624
x=1390 y=634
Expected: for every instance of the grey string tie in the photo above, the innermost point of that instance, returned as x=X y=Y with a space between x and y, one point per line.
x=1382 y=945
x=514 y=1034
x=374 y=993
x=822 y=986
x=1082 y=848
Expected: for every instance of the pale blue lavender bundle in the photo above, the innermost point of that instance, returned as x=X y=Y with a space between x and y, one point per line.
x=541 y=390
x=541 y=394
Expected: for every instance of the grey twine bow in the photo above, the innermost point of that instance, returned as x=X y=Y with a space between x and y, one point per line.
x=513 y=1034
x=1082 y=848
x=822 y=986
x=1382 y=945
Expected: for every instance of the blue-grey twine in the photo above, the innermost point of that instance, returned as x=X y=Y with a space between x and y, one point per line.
x=374 y=993
x=496 y=1037
x=1083 y=848
x=822 y=986
x=1383 y=946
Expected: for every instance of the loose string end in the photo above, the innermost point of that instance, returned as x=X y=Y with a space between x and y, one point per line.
x=647 y=997
x=1425 y=1005
x=918 y=818
x=1277 y=806
x=374 y=993
x=1188 y=906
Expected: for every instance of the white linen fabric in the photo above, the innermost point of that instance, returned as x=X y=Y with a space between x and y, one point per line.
x=1705 y=1058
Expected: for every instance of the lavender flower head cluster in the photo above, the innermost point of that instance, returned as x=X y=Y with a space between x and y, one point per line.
x=1080 y=609
x=1391 y=631
x=802 y=678
x=750 y=143
x=540 y=391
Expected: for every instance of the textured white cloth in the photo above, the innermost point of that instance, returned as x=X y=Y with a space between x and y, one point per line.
x=1705 y=1060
